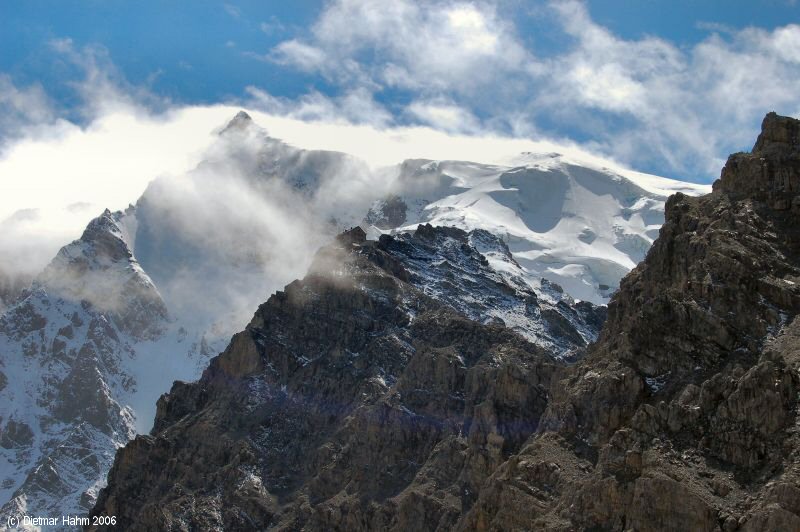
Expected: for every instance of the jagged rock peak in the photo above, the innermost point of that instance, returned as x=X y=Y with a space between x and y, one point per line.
x=242 y=116
x=354 y=235
x=778 y=133
x=100 y=268
x=104 y=234
x=770 y=174
x=240 y=122
x=429 y=232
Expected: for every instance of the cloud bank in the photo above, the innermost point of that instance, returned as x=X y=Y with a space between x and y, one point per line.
x=58 y=173
x=55 y=182
x=647 y=101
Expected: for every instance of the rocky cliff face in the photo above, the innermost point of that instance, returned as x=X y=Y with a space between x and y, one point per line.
x=684 y=414
x=476 y=274
x=358 y=400
x=361 y=396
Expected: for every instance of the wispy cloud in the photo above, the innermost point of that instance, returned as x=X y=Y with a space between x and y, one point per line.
x=61 y=167
x=356 y=106
x=232 y=10
x=410 y=45
x=688 y=108
x=272 y=26
x=645 y=101
x=444 y=115
x=296 y=53
x=22 y=107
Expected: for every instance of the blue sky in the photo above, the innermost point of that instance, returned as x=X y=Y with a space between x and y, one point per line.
x=669 y=87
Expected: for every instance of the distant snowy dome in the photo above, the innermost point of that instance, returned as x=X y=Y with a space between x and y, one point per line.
x=571 y=221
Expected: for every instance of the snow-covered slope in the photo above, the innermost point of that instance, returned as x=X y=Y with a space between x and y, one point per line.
x=81 y=354
x=578 y=224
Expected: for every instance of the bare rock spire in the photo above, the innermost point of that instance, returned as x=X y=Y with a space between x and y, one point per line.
x=770 y=174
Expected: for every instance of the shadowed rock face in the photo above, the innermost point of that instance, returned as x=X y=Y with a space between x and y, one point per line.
x=683 y=416
x=388 y=214
x=356 y=401
x=351 y=400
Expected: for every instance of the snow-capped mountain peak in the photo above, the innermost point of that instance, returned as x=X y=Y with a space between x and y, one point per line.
x=100 y=269
x=147 y=296
x=581 y=226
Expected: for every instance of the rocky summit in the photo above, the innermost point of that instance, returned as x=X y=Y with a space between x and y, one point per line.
x=396 y=388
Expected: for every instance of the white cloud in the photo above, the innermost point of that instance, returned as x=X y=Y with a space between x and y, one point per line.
x=444 y=115
x=56 y=181
x=232 y=10
x=100 y=87
x=105 y=164
x=380 y=146
x=58 y=173
x=354 y=107
x=649 y=102
x=645 y=101
x=22 y=107
x=299 y=54
x=455 y=46
x=272 y=26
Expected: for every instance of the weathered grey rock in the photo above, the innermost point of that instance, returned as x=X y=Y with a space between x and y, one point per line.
x=352 y=400
x=771 y=172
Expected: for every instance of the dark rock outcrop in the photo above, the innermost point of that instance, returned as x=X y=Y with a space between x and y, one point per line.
x=388 y=213
x=355 y=400
x=770 y=174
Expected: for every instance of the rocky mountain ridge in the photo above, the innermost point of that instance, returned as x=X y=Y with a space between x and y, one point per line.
x=354 y=381
x=353 y=401
x=476 y=275
x=147 y=295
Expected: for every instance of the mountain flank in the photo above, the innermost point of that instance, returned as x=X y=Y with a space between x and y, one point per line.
x=355 y=401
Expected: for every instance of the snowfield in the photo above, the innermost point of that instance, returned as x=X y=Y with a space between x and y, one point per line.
x=570 y=221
